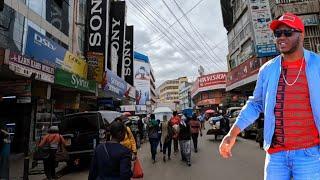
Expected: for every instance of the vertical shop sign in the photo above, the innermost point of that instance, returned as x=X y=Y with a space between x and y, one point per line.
x=116 y=36
x=128 y=56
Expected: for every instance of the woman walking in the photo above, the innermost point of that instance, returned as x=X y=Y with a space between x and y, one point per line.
x=195 y=127
x=153 y=128
x=166 y=137
x=53 y=140
x=112 y=161
x=185 y=141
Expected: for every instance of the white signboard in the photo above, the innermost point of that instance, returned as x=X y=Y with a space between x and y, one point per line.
x=142 y=81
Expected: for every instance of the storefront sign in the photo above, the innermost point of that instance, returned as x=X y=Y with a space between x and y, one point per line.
x=26 y=67
x=261 y=18
x=310 y=20
x=128 y=55
x=212 y=79
x=74 y=81
x=114 y=83
x=117 y=23
x=142 y=81
x=95 y=66
x=44 y=50
x=128 y=108
x=245 y=70
x=131 y=91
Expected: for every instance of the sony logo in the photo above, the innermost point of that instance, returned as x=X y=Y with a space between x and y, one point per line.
x=95 y=23
x=115 y=34
x=127 y=58
x=43 y=41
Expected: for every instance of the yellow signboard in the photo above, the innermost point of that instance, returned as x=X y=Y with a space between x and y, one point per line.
x=75 y=65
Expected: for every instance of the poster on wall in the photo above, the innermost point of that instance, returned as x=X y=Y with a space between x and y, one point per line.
x=42 y=49
x=261 y=18
x=128 y=56
x=95 y=66
x=142 y=81
x=117 y=23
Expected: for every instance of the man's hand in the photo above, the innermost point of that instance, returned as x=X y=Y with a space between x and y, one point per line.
x=226 y=146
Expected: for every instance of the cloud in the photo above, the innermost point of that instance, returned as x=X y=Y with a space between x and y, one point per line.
x=168 y=61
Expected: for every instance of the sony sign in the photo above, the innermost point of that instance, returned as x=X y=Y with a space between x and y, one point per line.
x=128 y=56
x=96 y=25
x=116 y=37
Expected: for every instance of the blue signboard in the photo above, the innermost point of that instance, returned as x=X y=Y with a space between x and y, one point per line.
x=267 y=50
x=115 y=83
x=43 y=49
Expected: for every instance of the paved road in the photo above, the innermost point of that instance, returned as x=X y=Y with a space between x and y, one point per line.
x=246 y=164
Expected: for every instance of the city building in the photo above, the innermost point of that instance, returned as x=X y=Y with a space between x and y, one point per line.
x=251 y=42
x=169 y=92
x=185 y=101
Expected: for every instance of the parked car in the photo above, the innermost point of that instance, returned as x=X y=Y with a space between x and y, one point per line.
x=84 y=131
x=233 y=116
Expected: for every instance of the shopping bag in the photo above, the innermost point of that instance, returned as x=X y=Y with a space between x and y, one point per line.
x=137 y=169
x=41 y=153
x=62 y=154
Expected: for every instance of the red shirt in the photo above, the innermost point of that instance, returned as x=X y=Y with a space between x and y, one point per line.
x=294 y=123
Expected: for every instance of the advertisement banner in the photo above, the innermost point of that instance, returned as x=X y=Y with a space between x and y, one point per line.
x=128 y=108
x=261 y=18
x=26 y=67
x=117 y=26
x=114 y=83
x=245 y=70
x=142 y=81
x=95 y=66
x=74 y=81
x=128 y=56
x=56 y=14
x=212 y=79
x=141 y=109
x=131 y=91
x=44 y=50
x=96 y=25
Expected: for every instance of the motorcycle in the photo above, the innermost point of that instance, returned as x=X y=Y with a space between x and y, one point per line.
x=219 y=126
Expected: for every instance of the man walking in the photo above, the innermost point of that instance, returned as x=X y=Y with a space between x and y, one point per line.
x=287 y=91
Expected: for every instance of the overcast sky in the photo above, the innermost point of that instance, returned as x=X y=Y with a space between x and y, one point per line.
x=181 y=50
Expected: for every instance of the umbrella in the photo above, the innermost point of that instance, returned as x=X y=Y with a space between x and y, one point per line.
x=127 y=113
x=210 y=111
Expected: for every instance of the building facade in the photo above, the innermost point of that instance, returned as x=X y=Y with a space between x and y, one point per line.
x=185 y=101
x=169 y=90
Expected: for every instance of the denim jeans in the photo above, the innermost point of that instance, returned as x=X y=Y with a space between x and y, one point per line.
x=153 y=146
x=302 y=164
x=167 y=145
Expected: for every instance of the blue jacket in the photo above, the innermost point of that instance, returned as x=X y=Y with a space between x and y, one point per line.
x=264 y=95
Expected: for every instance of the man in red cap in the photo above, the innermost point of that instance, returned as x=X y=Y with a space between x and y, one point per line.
x=287 y=92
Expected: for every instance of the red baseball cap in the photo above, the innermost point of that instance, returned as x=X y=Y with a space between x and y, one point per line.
x=290 y=20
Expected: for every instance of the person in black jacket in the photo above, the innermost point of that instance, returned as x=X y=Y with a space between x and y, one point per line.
x=185 y=141
x=112 y=161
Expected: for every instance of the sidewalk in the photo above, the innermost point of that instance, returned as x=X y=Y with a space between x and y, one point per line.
x=16 y=168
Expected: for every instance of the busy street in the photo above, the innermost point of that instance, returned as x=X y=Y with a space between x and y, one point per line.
x=159 y=90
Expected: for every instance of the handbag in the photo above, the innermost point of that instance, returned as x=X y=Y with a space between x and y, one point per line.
x=41 y=153
x=137 y=169
x=62 y=154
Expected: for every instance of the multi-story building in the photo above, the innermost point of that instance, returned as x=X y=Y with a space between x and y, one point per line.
x=251 y=42
x=308 y=11
x=153 y=88
x=169 y=90
x=185 y=101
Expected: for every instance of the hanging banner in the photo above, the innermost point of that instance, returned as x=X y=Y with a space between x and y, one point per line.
x=26 y=67
x=128 y=55
x=114 y=83
x=117 y=23
x=96 y=26
x=44 y=50
x=95 y=66
x=56 y=13
x=142 y=81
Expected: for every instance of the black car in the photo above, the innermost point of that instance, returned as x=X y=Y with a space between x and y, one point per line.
x=84 y=131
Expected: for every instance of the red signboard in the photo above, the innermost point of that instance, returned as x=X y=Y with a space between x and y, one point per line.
x=244 y=70
x=212 y=79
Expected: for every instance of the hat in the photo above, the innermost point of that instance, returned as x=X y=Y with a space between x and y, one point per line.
x=290 y=20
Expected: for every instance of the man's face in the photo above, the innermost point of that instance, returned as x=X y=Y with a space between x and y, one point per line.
x=290 y=42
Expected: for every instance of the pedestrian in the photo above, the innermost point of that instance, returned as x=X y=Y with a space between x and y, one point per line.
x=202 y=118
x=112 y=160
x=53 y=139
x=175 y=122
x=166 y=138
x=160 y=134
x=4 y=151
x=153 y=128
x=185 y=141
x=195 y=127
x=128 y=141
x=287 y=92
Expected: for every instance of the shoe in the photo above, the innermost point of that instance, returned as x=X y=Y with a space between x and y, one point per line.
x=154 y=161
x=169 y=158
x=164 y=158
x=189 y=164
x=196 y=150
